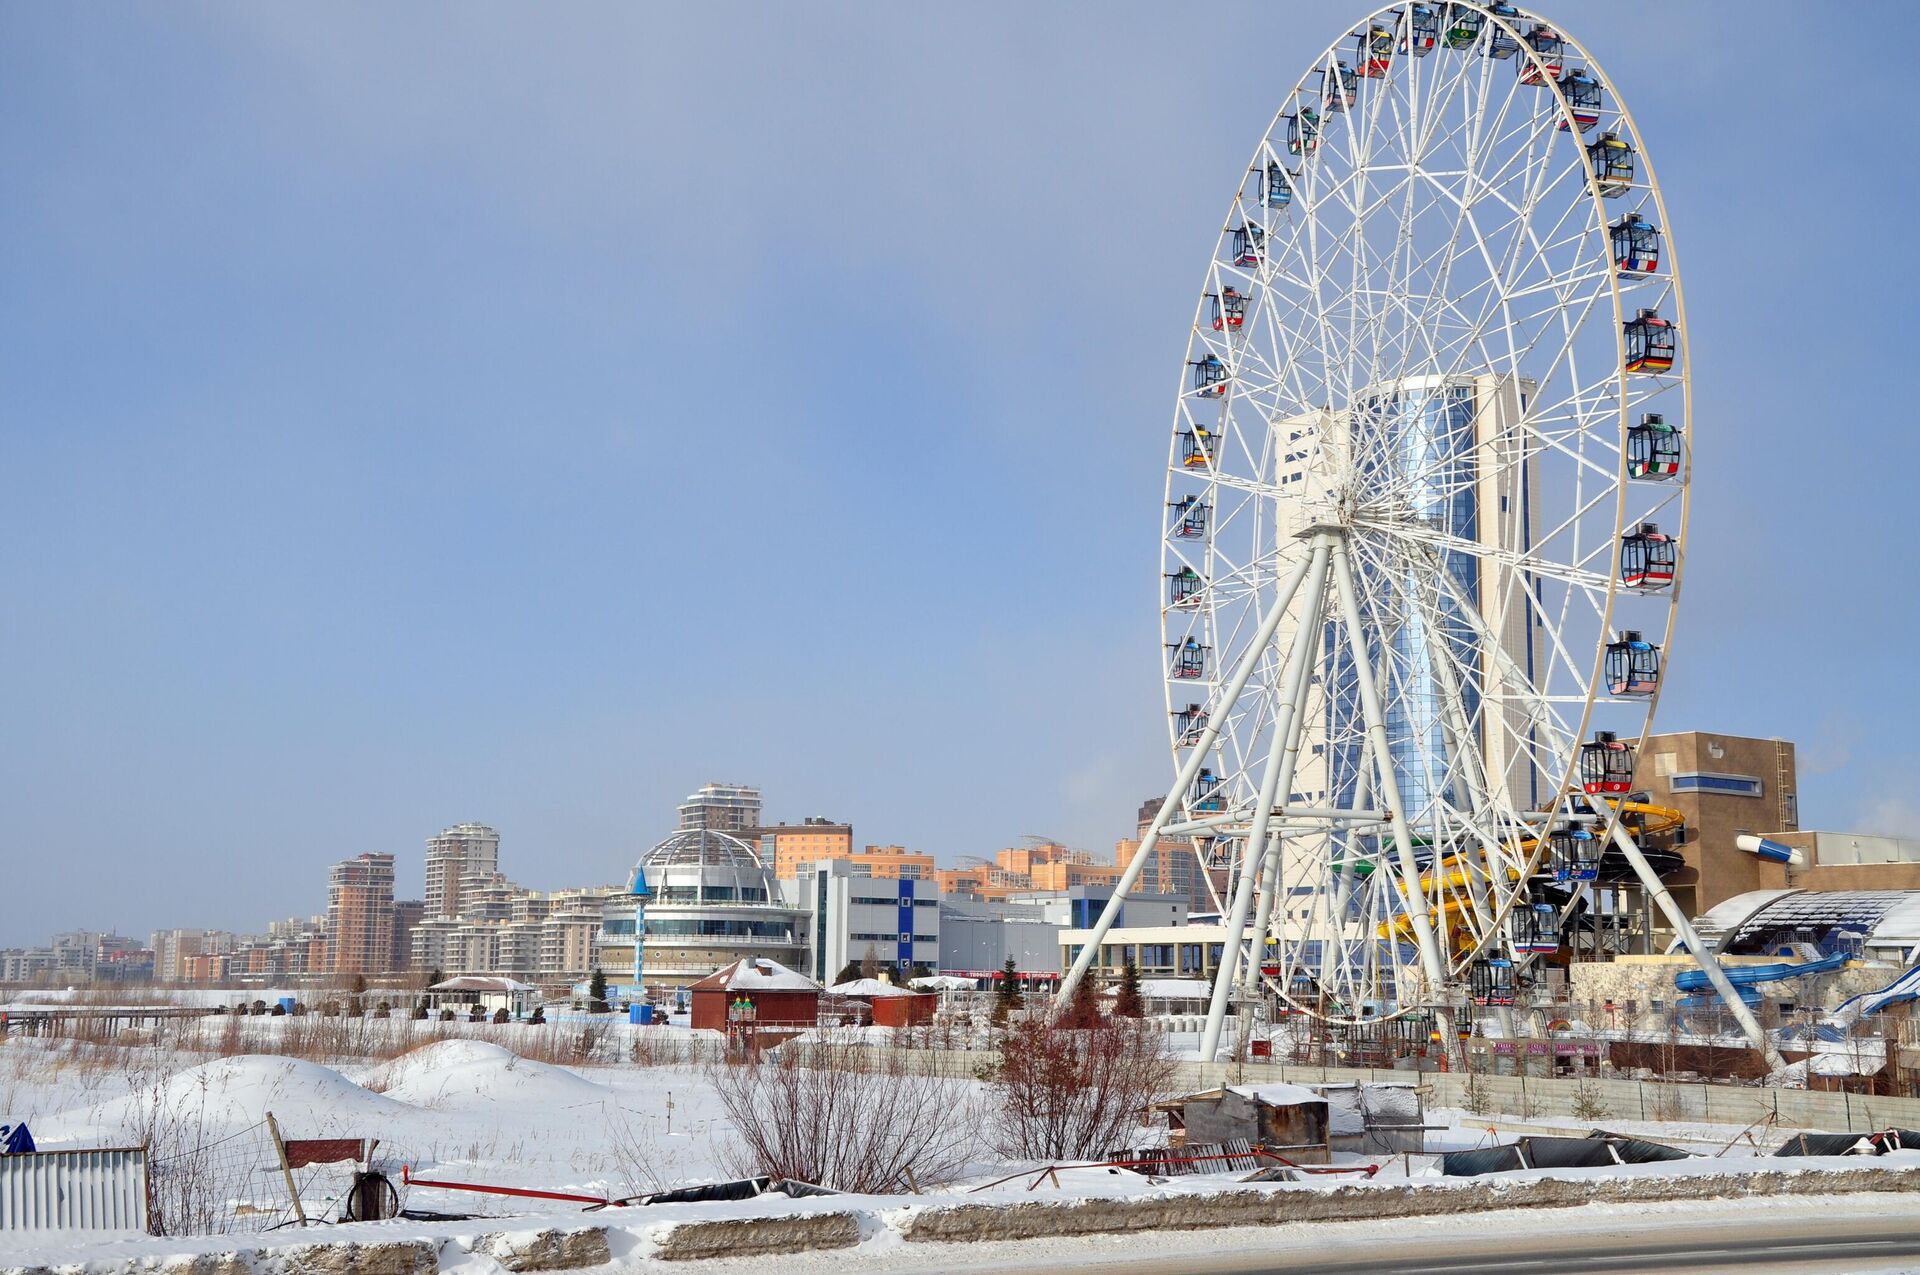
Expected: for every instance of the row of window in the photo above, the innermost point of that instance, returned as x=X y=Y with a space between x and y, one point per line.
x=709 y=894
x=1731 y=785
x=891 y=901
x=720 y=929
x=891 y=938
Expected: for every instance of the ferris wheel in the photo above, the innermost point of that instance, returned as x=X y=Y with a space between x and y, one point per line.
x=1425 y=513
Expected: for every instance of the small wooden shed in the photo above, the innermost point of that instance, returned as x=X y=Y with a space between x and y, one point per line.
x=1287 y=1120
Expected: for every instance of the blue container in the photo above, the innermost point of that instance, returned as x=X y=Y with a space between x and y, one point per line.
x=286 y=1003
x=634 y=1012
x=643 y=1014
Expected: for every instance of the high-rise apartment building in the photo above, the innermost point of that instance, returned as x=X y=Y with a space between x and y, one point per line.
x=360 y=915
x=785 y=846
x=1442 y=430
x=407 y=913
x=464 y=851
x=728 y=808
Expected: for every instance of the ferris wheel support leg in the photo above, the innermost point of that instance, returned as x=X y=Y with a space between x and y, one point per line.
x=1191 y=767
x=1270 y=880
x=1690 y=939
x=1278 y=776
x=1431 y=960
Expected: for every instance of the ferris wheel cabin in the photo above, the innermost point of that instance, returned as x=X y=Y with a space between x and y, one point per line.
x=1374 y=52
x=1575 y=854
x=1463 y=26
x=1189 y=660
x=1229 y=309
x=1606 y=764
x=1340 y=87
x=1422 y=30
x=1491 y=982
x=1536 y=928
x=1651 y=343
x=1636 y=246
x=1209 y=377
x=1653 y=449
x=1551 y=52
x=1189 y=518
x=1249 y=241
x=1279 y=188
x=1611 y=158
x=1583 y=96
x=1196 y=449
x=1499 y=43
x=1303 y=131
x=1632 y=665
x=1647 y=558
x=1183 y=587
x=1189 y=724
x=1207 y=797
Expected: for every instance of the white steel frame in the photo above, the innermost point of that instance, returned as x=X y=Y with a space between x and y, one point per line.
x=1446 y=237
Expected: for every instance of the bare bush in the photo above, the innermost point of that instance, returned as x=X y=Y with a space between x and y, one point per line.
x=845 y=1115
x=1063 y=1092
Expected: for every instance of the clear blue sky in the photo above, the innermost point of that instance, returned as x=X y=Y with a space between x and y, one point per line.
x=478 y=412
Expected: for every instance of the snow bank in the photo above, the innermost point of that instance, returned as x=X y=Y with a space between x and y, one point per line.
x=228 y=1095
x=476 y=1073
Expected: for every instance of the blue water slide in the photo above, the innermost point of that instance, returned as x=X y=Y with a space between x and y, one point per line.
x=1898 y=992
x=1750 y=996
x=1742 y=976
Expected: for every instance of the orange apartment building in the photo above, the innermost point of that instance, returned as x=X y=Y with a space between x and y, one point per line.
x=787 y=846
x=1045 y=865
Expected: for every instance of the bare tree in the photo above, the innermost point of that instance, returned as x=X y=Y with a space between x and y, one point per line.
x=1062 y=1092
x=847 y=1116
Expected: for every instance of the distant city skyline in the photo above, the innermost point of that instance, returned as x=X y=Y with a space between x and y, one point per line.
x=391 y=441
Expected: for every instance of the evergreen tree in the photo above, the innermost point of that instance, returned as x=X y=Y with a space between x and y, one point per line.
x=1083 y=1007
x=1128 y=1003
x=1007 y=996
x=597 y=992
x=848 y=972
x=920 y=970
x=359 y=984
x=436 y=978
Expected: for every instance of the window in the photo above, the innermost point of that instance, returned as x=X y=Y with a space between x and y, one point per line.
x=1727 y=785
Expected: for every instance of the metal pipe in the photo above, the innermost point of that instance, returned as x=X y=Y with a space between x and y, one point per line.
x=1431 y=960
x=1090 y=951
x=1657 y=892
x=1278 y=774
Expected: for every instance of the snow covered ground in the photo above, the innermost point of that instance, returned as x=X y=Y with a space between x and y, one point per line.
x=463 y=1107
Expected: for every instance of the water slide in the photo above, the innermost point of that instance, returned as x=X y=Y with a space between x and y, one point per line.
x=1898 y=992
x=1458 y=874
x=1745 y=976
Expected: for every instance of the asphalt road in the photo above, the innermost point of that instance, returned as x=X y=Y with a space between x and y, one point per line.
x=1794 y=1239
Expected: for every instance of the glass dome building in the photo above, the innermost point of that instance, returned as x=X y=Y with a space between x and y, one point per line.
x=702 y=899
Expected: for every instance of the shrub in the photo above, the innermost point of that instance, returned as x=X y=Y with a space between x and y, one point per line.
x=1062 y=1092
x=846 y=1116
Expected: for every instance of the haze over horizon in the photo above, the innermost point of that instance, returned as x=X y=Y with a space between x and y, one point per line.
x=528 y=418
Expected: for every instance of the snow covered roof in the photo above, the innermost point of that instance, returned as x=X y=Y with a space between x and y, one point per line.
x=945 y=983
x=482 y=983
x=755 y=974
x=868 y=987
x=1278 y=1095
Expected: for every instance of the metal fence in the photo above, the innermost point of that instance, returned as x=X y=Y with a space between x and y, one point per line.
x=1591 y=1100
x=102 y=1190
